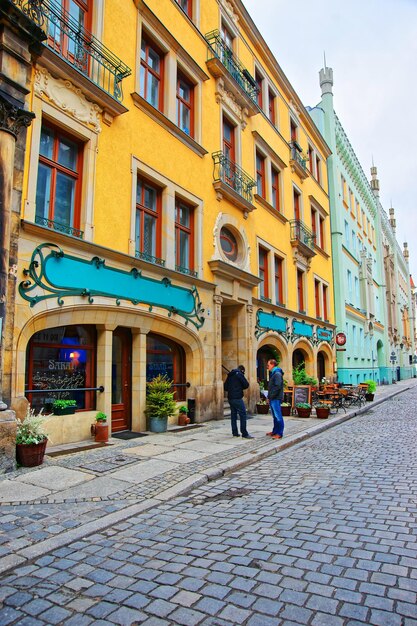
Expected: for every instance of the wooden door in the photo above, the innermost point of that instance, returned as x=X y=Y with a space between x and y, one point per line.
x=121 y=380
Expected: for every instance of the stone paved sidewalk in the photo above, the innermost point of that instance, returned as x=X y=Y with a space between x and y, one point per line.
x=70 y=496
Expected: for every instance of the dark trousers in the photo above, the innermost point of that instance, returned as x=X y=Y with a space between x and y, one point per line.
x=237 y=407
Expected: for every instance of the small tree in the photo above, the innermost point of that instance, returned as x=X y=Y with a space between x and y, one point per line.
x=160 y=401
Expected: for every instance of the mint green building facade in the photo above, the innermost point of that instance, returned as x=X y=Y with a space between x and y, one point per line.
x=357 y=227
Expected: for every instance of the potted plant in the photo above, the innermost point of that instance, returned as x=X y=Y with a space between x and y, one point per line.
x=160 y=403
x=30 y=439
x=300 y=376
x=64 y=407
x=369 y=396
x=262 y=406
x=285 y=409
x=322 y=410
x=303 y=409
x=100 y=429
x=183 y=419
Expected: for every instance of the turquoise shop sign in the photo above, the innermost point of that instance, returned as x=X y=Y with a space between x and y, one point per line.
x=266 y=322
x=324 y=334
x=302 y=329
x=61 y=275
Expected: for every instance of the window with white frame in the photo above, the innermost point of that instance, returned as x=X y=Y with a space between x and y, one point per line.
x=263 y=261
x=318 y=225
x=161 y=206
x=63 y=157
x=301 y=301
x=349 y=282
x=347 y=234
x=279 y=279
x=173 y=102
x=321 y=299
x=268 y=168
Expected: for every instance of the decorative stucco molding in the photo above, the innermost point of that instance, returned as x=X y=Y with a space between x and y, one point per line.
x=12 y=118
x=230 y=10
x=68 y=98
x=224 y=219
x=225 y=97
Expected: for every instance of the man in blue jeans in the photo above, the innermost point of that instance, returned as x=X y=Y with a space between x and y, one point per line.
x=275 y=397
x=234 y=384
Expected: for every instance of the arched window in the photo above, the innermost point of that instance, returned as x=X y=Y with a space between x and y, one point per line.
x=61 y=358
x=166 y=357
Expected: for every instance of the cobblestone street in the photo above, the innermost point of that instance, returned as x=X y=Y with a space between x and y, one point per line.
x=323 y=533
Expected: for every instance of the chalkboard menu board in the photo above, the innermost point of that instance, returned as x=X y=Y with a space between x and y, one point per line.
x=302 y=393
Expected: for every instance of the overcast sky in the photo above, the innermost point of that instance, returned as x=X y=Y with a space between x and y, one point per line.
x=372 y=47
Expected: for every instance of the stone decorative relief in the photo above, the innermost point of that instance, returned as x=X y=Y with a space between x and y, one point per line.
x=230 y=10
x=223 y=219
x=227 y=99
x=68 y=98
x=300 y=260
x=13 y=119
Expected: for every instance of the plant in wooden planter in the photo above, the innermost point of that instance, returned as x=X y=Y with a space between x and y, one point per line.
x=322 y=410
x=262 y=407
x=183 y=419
x=64 y=407
x=160 y=403
x=369 y=396
x=285 y=409
x=31 y=440
x=303 y=409
x=100 y=429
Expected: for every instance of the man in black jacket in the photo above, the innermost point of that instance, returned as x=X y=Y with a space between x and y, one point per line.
x=234 y=384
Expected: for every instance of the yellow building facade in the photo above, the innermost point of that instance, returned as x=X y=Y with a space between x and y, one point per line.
x=174 y=215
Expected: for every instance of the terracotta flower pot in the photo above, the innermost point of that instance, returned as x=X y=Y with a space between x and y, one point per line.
x=286 y=411
x=100 y=430
x=183 y=419
x=30 y=454
x=323 y=413
x=262 y=409
x=303 y=412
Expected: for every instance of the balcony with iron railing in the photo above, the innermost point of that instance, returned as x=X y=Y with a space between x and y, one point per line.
x=59 y=227
x=144 y=256
x=302 y=238
x=186 y=270
x=231 y=182
x=223 y=63
x=298 y=162
x=72 y=52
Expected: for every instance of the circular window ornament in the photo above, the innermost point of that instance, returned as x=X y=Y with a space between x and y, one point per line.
x=340 y=339
x=229 y=244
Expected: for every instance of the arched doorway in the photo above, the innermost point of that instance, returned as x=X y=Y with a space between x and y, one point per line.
x=321 y=366
x=298 y=358
x=264 y=354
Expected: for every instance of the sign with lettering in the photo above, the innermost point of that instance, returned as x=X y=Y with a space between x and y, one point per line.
x=340 y=339
x=301 y=393
x=324 y=334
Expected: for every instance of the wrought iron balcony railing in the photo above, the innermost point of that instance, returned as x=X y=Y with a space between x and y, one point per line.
x=300 y=233
x=221 y=51
x=144 y=256
x=298 y=157
x=58 y=227
x=186 y=270
x=72 y=42
x=231 y=174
